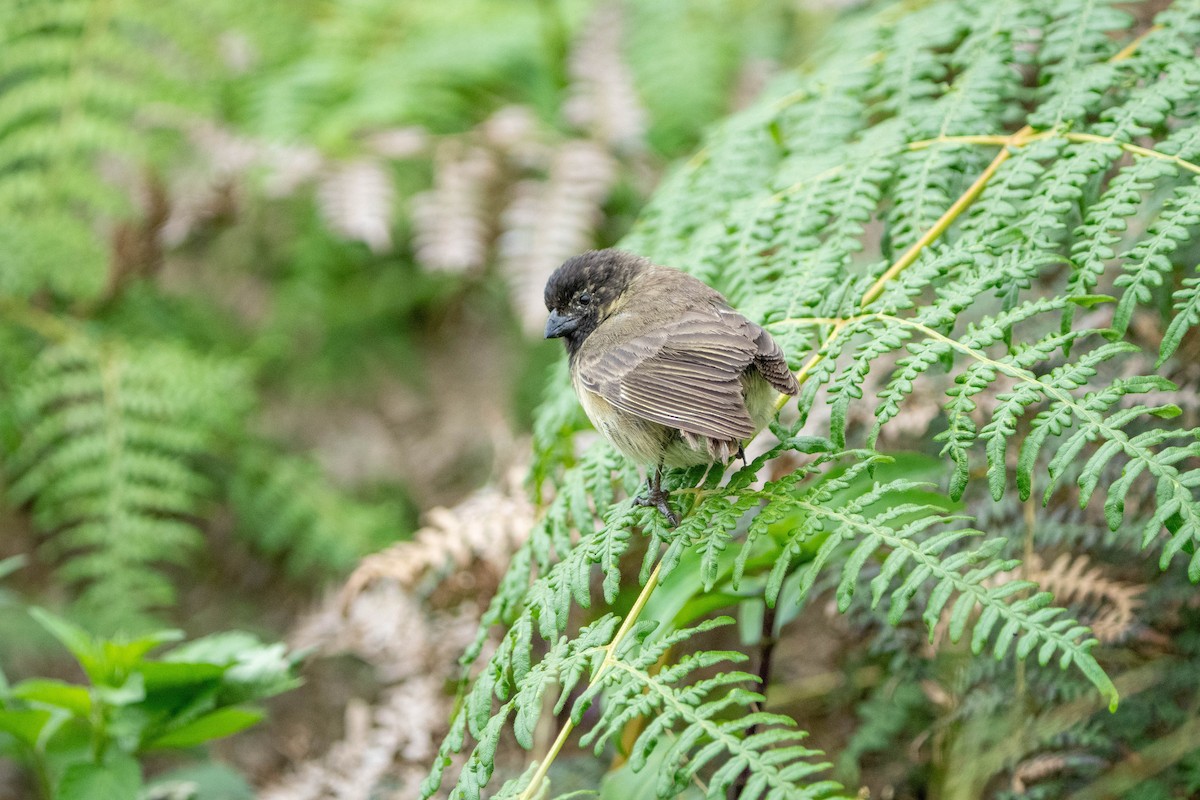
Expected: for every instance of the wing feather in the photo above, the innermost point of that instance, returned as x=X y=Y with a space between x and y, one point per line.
x=686 y=374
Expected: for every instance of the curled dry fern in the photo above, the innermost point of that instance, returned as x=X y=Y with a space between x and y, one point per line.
x=950 y=184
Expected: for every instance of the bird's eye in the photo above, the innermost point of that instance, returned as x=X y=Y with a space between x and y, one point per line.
x=584 y=299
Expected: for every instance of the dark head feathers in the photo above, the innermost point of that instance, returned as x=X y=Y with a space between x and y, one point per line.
x=584 y=290
x=603 y=274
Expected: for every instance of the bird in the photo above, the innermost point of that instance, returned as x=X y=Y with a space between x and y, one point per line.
x=666 y=370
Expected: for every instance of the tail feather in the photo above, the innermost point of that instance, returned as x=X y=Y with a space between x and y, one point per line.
x=773 y=365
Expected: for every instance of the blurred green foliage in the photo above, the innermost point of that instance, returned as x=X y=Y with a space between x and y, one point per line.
x=83 y=742
x=209 y=272
x=171 y=275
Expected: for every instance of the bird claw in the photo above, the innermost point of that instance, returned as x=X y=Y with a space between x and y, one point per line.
x=657 y=498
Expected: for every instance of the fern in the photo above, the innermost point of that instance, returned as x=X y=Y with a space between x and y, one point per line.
x=286 y=509
x=86 y=82
x=110 y=442
x=931 y=205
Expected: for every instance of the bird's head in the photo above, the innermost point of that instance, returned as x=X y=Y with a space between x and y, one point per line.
x=584 y=291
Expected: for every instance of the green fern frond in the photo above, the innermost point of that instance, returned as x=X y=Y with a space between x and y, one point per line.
x=85 y=81
x=707 y=724
x=109 y=457
x=286 y=509
x=1146 y=263
x=918 y=548
x=1187 y=315
x=1075 y=59
x=713 y=722
x=1106 y=222
x=934 y=201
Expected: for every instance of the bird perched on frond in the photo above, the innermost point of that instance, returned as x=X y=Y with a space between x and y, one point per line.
x=664 y=368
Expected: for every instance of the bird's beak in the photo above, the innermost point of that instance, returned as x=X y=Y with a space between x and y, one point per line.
x=560 y=325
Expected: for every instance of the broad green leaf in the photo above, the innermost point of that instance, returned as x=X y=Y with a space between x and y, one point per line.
x=223 y=722
x=75 y=699
x=168 y=676
x=119 y=778
x=132 y=691
x=106 y=662
x=210 y=780
x=26 y=725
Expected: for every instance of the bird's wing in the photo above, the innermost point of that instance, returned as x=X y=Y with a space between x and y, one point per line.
x=685 y=374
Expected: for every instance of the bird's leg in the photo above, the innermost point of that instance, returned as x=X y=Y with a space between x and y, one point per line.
x=741 y=454
x=656 y=497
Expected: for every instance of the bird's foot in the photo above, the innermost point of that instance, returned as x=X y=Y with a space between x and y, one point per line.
x=657 y=498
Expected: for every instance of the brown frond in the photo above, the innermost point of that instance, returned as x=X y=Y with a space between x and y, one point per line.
x=1108 y=606
x=1047 y=765
x=388 y=740
x=602 y=98
x=453 y=221
x=486 y=527
x=412 y=639
x=356 y=199
x=1035 y=769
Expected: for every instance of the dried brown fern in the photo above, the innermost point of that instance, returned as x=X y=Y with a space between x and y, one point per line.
x=602 y=98
x=454 y=221
x=515 y=190
x=388 y=616
x=483 y=529
x=1110 y=607
x=1047 y=765
x=357 y=199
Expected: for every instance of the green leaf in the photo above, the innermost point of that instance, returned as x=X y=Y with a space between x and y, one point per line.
x=220 y=723
x=79 y=642
x=174 y=678
x=1089 y=300
x=209 y=780
x=132 y=691
x=106 y=661
x=75 y=699
x=26 y=725
x=119 y=778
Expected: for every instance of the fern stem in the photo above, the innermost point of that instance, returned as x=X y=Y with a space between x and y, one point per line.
x=987 y=139
x=947 y=219
x=1029 y=513
x=1131 y=48
x=798 y=185
x=766 y=651
x=1135 y=149
x=609 y=662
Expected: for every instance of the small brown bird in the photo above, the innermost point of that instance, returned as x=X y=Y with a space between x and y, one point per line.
x=664 y=368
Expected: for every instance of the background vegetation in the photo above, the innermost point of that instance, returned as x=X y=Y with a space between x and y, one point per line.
x=269 y=298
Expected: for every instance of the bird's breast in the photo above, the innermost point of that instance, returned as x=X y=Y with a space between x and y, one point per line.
x=640 y=440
